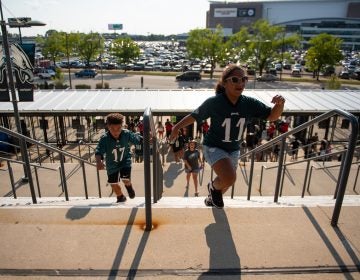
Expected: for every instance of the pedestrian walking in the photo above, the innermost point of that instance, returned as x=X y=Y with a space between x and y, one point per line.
x=228 y=111
x=114 y=148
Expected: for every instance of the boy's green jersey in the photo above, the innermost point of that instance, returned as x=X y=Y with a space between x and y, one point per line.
x=117 y=151
x=228 y=120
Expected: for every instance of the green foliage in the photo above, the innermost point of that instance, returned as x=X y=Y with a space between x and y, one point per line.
x=324 y=51
x=53 y=45
x=124 y=49
x=264 y=42
x=82 y=86
x=89 y=46
x=333 y=82
x=207 y=44
x=99 y=85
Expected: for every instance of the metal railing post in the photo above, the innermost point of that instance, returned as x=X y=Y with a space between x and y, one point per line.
x=346 y=168
x=305 y=179
x=261 y=177
x=98 y=181
x=84 y=178
x=147 y=173
x=356 y=177
x=64 y=177
x=37 y=181
x=251 y=175
x=11 y=178
x=280 y=169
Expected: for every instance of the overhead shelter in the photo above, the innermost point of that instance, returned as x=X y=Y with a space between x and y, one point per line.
x=60 y=112
x=172 y=102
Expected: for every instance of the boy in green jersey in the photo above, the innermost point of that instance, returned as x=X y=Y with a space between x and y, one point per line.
x=115 y=145
x=228 y=111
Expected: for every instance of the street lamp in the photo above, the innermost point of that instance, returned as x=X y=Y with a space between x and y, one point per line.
x=23 y=22
x=11 y=85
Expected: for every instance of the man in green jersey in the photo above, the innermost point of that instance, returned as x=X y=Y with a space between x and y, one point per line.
x=228 y=111
x=115 y=145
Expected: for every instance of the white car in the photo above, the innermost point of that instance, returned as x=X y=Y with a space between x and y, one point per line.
x=46 y=74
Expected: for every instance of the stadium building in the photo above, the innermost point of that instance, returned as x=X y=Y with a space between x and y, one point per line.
x=340 y=18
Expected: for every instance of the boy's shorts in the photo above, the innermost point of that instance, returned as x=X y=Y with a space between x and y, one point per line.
x=214 y=154
x=124 y=172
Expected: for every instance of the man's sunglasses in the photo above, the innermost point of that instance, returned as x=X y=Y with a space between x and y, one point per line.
x=237 y=80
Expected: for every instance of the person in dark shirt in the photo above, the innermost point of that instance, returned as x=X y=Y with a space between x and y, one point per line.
x=193 y=164
x=115 y=146
x=228 y=111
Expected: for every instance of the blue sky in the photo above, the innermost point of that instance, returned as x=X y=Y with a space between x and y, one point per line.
x=137 y=16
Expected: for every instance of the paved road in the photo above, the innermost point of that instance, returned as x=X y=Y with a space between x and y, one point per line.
x=133 y=81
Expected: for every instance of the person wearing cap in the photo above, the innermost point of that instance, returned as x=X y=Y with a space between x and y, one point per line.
x=193 y=164
x=228 y=111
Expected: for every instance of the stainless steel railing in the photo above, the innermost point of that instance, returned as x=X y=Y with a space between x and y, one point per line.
x=62 y=155
x=151 y=148
x=344 y=169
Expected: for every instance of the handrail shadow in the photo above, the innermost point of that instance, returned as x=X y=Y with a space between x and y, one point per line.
x=341 y=263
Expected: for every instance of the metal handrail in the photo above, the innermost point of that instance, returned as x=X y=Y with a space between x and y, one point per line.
x=62 y=156
x=36 y=166
x=321 y=168
x=346 y=162
x=263 y=167
x=149 y=136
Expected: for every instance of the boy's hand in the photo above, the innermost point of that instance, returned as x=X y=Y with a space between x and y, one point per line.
x=100 y=165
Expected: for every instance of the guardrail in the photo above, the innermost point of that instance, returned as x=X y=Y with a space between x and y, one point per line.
x=151 y=148
x=345 y=165
x=36 y=167
x=62 y=154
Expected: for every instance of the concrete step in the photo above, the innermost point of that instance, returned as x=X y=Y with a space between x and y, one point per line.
x=177 y=202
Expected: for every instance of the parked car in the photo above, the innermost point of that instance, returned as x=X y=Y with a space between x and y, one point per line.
x=278 y=66
x=86 y=73
x=196 y=68
x=207 y=68
x=295 y=73
x=344 y=75
x=46 y=74
x=297 y=67
x=287 y=66
x=267 y=78
x=189 y=76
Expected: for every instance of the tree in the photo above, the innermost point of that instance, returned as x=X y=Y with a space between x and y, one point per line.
x=124 y=49
x=207 y=44
x=325 y=50
x=90 y=46
x=261 y=42
x=53 y=45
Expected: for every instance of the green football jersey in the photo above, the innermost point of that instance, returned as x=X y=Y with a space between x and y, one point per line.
x=117 y=151
x=228 y=120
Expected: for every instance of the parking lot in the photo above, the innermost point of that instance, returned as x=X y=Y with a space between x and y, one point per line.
x=133 y=80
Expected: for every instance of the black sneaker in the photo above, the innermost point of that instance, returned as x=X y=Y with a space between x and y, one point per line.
x=130 y=191
x=208 y=201
x=216 y=196
x=121 y=198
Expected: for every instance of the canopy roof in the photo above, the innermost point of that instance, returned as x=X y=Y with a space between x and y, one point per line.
x=165 y=102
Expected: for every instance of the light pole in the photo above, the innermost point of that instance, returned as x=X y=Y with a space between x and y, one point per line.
x=11 y=85
x=23 y=22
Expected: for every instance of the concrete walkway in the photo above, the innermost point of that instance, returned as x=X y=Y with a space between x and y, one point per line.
x=255 y=239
